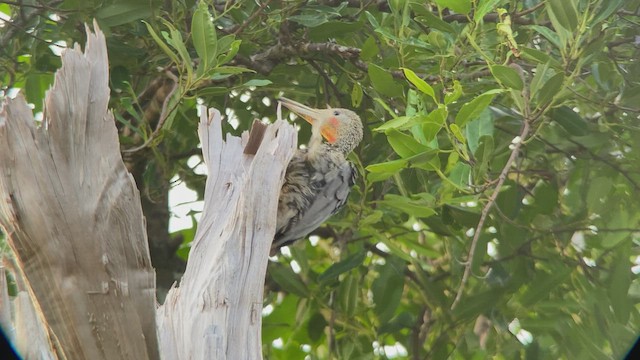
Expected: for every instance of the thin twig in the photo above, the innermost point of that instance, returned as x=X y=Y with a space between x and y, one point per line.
x=612 y=165
x=23 y=5
x=529 y=10
x=251 y=18
x=327 y=80
x=485 y=210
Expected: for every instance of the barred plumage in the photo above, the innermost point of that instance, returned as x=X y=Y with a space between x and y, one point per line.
x=319 y=178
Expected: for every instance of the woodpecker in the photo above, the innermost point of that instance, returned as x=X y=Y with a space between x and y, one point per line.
x=319 y=177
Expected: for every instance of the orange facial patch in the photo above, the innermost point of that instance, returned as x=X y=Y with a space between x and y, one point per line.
x=329 y=130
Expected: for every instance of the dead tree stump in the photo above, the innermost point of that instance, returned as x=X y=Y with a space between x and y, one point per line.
x=73 y=219
x=215 y=313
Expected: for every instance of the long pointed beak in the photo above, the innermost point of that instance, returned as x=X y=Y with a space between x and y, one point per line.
x=316 y=117
x=307 y=113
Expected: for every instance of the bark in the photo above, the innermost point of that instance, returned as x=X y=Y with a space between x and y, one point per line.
x=73 y=217
x=215 y=313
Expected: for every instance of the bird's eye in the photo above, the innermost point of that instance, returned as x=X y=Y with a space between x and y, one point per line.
x=336 y=113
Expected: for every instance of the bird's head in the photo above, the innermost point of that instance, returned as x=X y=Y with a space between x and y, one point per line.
x=342 y=128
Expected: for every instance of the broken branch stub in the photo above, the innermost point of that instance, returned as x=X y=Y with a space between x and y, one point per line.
x=73 y=217
x=216 y=311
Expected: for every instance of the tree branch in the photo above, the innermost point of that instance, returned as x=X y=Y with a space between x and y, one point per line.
x=265 y=61
x=487 y=207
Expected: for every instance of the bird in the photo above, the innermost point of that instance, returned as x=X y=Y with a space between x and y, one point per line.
x=318 y=179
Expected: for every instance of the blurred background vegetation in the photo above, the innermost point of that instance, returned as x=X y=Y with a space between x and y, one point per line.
x=496 y=213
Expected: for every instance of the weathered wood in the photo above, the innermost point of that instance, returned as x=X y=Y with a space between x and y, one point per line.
x=215 y=313
x=31 y=339
x=5 y=307
x=21 y=324
x=73 y=217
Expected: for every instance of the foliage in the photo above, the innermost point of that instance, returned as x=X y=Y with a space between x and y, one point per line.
x=498 y=173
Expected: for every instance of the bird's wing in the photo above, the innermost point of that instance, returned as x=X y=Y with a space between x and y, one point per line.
x=330 y=195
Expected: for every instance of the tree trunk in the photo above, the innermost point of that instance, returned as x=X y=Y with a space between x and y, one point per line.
x=215 y=313
x=73 y=217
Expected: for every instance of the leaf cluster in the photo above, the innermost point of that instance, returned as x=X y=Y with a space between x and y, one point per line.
x=498 y=172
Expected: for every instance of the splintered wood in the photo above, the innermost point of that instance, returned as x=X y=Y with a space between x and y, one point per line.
x=72 y=215
x=215 y=313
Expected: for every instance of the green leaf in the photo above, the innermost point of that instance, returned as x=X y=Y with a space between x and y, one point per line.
x=123 y=12
x=417 y=208
x=399 y=123
x=459 y=6
x=315 y=329
x=233 y=70
x=472 y=110
x=452 y=96
x=36 y=84
x=542 y=74
x=213 y=91
x=599 y=189
x=173 y=56
x=539 y=57
x=479 y=303
x=309 y=20
x=172 y=105
x=373 y=218
x=434 y=122
x=460 y=175
x=383 y=82
x=334 y=29
x=348 y=294
x=549 y=34
x=608 y=7
x=618 y=289
x=620 y=220
x=550 y=89
x=5 y=9
x=288 y=280
x=484 y=7
x=509 y=200
x=419 y=83
x=388 y=287
x=175 y=40
x=257 y=83
x=372 y=20
x=224 y=43
x=369 y=49
x=571 y=121
x=476 y=129
x=565 y=12
x=232 y=51
x=351 y=262
x=203 y=35
x=404 y=145
x=280 y=321
x=543 y=284
x=507 y=76
x=427 y=160
x=455 y=130
x=483 y=155
x=356 y=95
x=388 y=167
x=435 y=22
x=546 y=197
